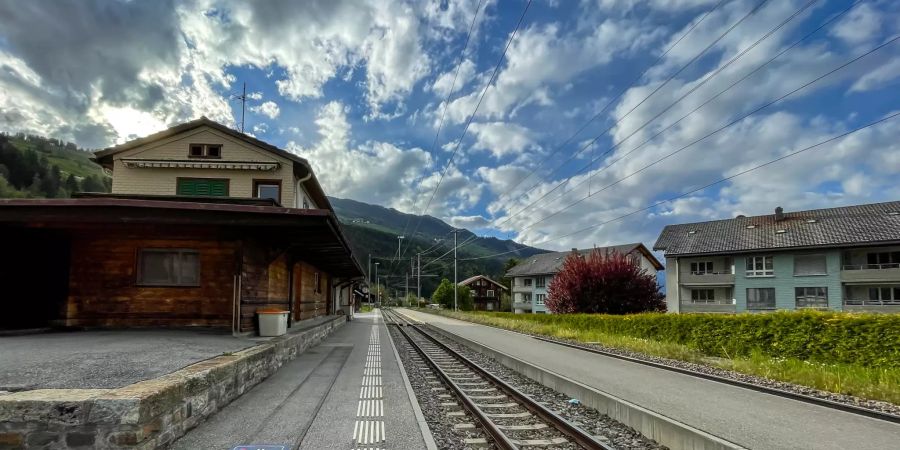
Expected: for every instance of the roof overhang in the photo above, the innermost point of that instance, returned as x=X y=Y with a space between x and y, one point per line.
x=785 y=249
x=314 y=233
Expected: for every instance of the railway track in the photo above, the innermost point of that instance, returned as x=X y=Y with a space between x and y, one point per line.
x=508 y=418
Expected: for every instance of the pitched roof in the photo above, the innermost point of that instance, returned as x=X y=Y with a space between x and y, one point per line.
x=469 y=281
x=105 y=157
x=845 y=226
x=548 y=263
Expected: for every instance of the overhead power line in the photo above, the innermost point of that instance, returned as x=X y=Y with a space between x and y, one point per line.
x=722 y=180
x=610 y=102
x=716 y=131
x=636 y=106
x=489 y=83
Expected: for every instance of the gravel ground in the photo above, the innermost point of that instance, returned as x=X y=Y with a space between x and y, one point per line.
x=441 y=425
x=875 y=405
x=598 y=424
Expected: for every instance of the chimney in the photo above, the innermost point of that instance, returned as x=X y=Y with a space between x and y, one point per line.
x=779 y=214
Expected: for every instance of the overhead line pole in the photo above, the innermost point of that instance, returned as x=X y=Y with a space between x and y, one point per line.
x=455 y=285
x=418 y=278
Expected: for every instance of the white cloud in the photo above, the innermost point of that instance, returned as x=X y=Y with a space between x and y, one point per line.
x=878 y=77
x=444 y=81
x=269 y=109
x=861 y=26
x=501 y=138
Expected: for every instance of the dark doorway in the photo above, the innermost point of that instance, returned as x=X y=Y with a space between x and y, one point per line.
x=34 y=278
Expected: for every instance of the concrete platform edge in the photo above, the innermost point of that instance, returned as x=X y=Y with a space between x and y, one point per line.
x=430 y=443
x=664 y=430
x=149 y=414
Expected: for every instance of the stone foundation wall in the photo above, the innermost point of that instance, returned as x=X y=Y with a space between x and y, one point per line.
x=150 y=414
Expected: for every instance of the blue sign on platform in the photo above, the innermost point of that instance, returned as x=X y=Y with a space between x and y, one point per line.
x=260 y=447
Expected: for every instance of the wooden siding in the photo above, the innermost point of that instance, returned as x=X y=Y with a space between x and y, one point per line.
x=264 y=282
x=103 y=289
x=162 y=181
x=309 y=303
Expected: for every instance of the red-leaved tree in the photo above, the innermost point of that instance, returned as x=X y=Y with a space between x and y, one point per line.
x=603 y=283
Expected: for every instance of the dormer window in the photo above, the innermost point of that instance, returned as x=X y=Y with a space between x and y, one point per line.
x=205 y=151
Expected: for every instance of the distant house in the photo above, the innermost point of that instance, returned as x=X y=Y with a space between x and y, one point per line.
x=532 y=276
x=485 y=292
x=845 y=258
x=204 y=226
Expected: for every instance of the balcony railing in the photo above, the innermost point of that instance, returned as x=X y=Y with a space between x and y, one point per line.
x=870 y=302
x=871 y=266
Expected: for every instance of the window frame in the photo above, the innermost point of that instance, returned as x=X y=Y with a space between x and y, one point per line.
x=708 y=268
x=139 y=266
x=204 y=152
x=809 y=255
x=757 y=273
x=539 y=299
x=768 y=289
x=527 y=282
x=708 y=293
x=540 y=281
x=798 y=295
x=489 y=293
x=267 y=182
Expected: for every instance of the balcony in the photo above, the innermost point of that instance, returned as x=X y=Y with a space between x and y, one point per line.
x=869 y=305
x=521 y=288
x=871 y=273
x=709 y=307
x=707 y=279
x=520 y=307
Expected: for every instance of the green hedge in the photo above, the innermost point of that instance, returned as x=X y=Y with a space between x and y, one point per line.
x=871 y=340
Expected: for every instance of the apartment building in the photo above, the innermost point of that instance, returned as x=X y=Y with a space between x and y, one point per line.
x=845 y=258
x=533 y=276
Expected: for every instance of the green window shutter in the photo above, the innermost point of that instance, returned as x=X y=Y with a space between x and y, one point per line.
x=201 y=187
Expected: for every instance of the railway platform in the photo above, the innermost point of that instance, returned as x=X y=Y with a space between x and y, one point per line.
x=345 y=393
x=744 y=417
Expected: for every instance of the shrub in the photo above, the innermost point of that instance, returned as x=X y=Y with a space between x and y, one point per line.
x=870 y=340
x=598 y=283
x=444 y=295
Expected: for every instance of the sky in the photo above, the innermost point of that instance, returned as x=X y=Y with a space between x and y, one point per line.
x=589 y=95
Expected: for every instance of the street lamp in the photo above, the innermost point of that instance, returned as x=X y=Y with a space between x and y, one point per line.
x=399 y=238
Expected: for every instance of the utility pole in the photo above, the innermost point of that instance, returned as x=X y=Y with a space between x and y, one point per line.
x=407 y=288
x=369 y=277
x=455 y=285
x=377 y=291
x=418 y=278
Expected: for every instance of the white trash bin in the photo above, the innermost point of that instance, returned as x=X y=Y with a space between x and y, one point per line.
x=272 y=322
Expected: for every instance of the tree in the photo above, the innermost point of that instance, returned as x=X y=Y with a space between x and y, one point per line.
x=598 y=283
x=444 y=296
x=92 y=184
x=72 y=184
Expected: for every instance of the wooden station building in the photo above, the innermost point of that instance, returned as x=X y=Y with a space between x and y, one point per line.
x=205 y=225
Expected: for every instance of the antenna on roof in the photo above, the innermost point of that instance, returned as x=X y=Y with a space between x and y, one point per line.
x=243 y=98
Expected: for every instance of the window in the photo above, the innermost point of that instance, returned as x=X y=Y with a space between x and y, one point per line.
x=760 y=266
x=205 y=151
x=810 y=265
x=524 y=298
x=539 y=299
x=540 y=282
x=811 y=297
x=270 y=189
x=202 y=187
x=761 y=298
x=703 y=295
x=883 y=260
x=884 y=293
x=527 y=282
x=702 y=268
x=490 y=293
x=168 y=267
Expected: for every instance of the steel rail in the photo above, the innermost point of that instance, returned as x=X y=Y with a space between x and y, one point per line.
x=562 y=425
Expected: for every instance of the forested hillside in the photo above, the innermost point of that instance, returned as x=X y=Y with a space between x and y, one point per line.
x=35 y=166
x=373 y=230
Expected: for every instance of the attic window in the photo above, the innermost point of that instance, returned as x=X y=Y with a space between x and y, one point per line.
x=205 y=151
x=692 y=232
x=780 y=231
x=894 y=213
x=811 y=220
x=750 y=227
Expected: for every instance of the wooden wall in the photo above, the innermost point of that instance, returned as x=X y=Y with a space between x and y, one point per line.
x=307 y=302
x=103 y=289
x=264 y=282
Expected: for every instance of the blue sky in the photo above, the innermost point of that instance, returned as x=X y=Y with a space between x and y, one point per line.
x=359 y=87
